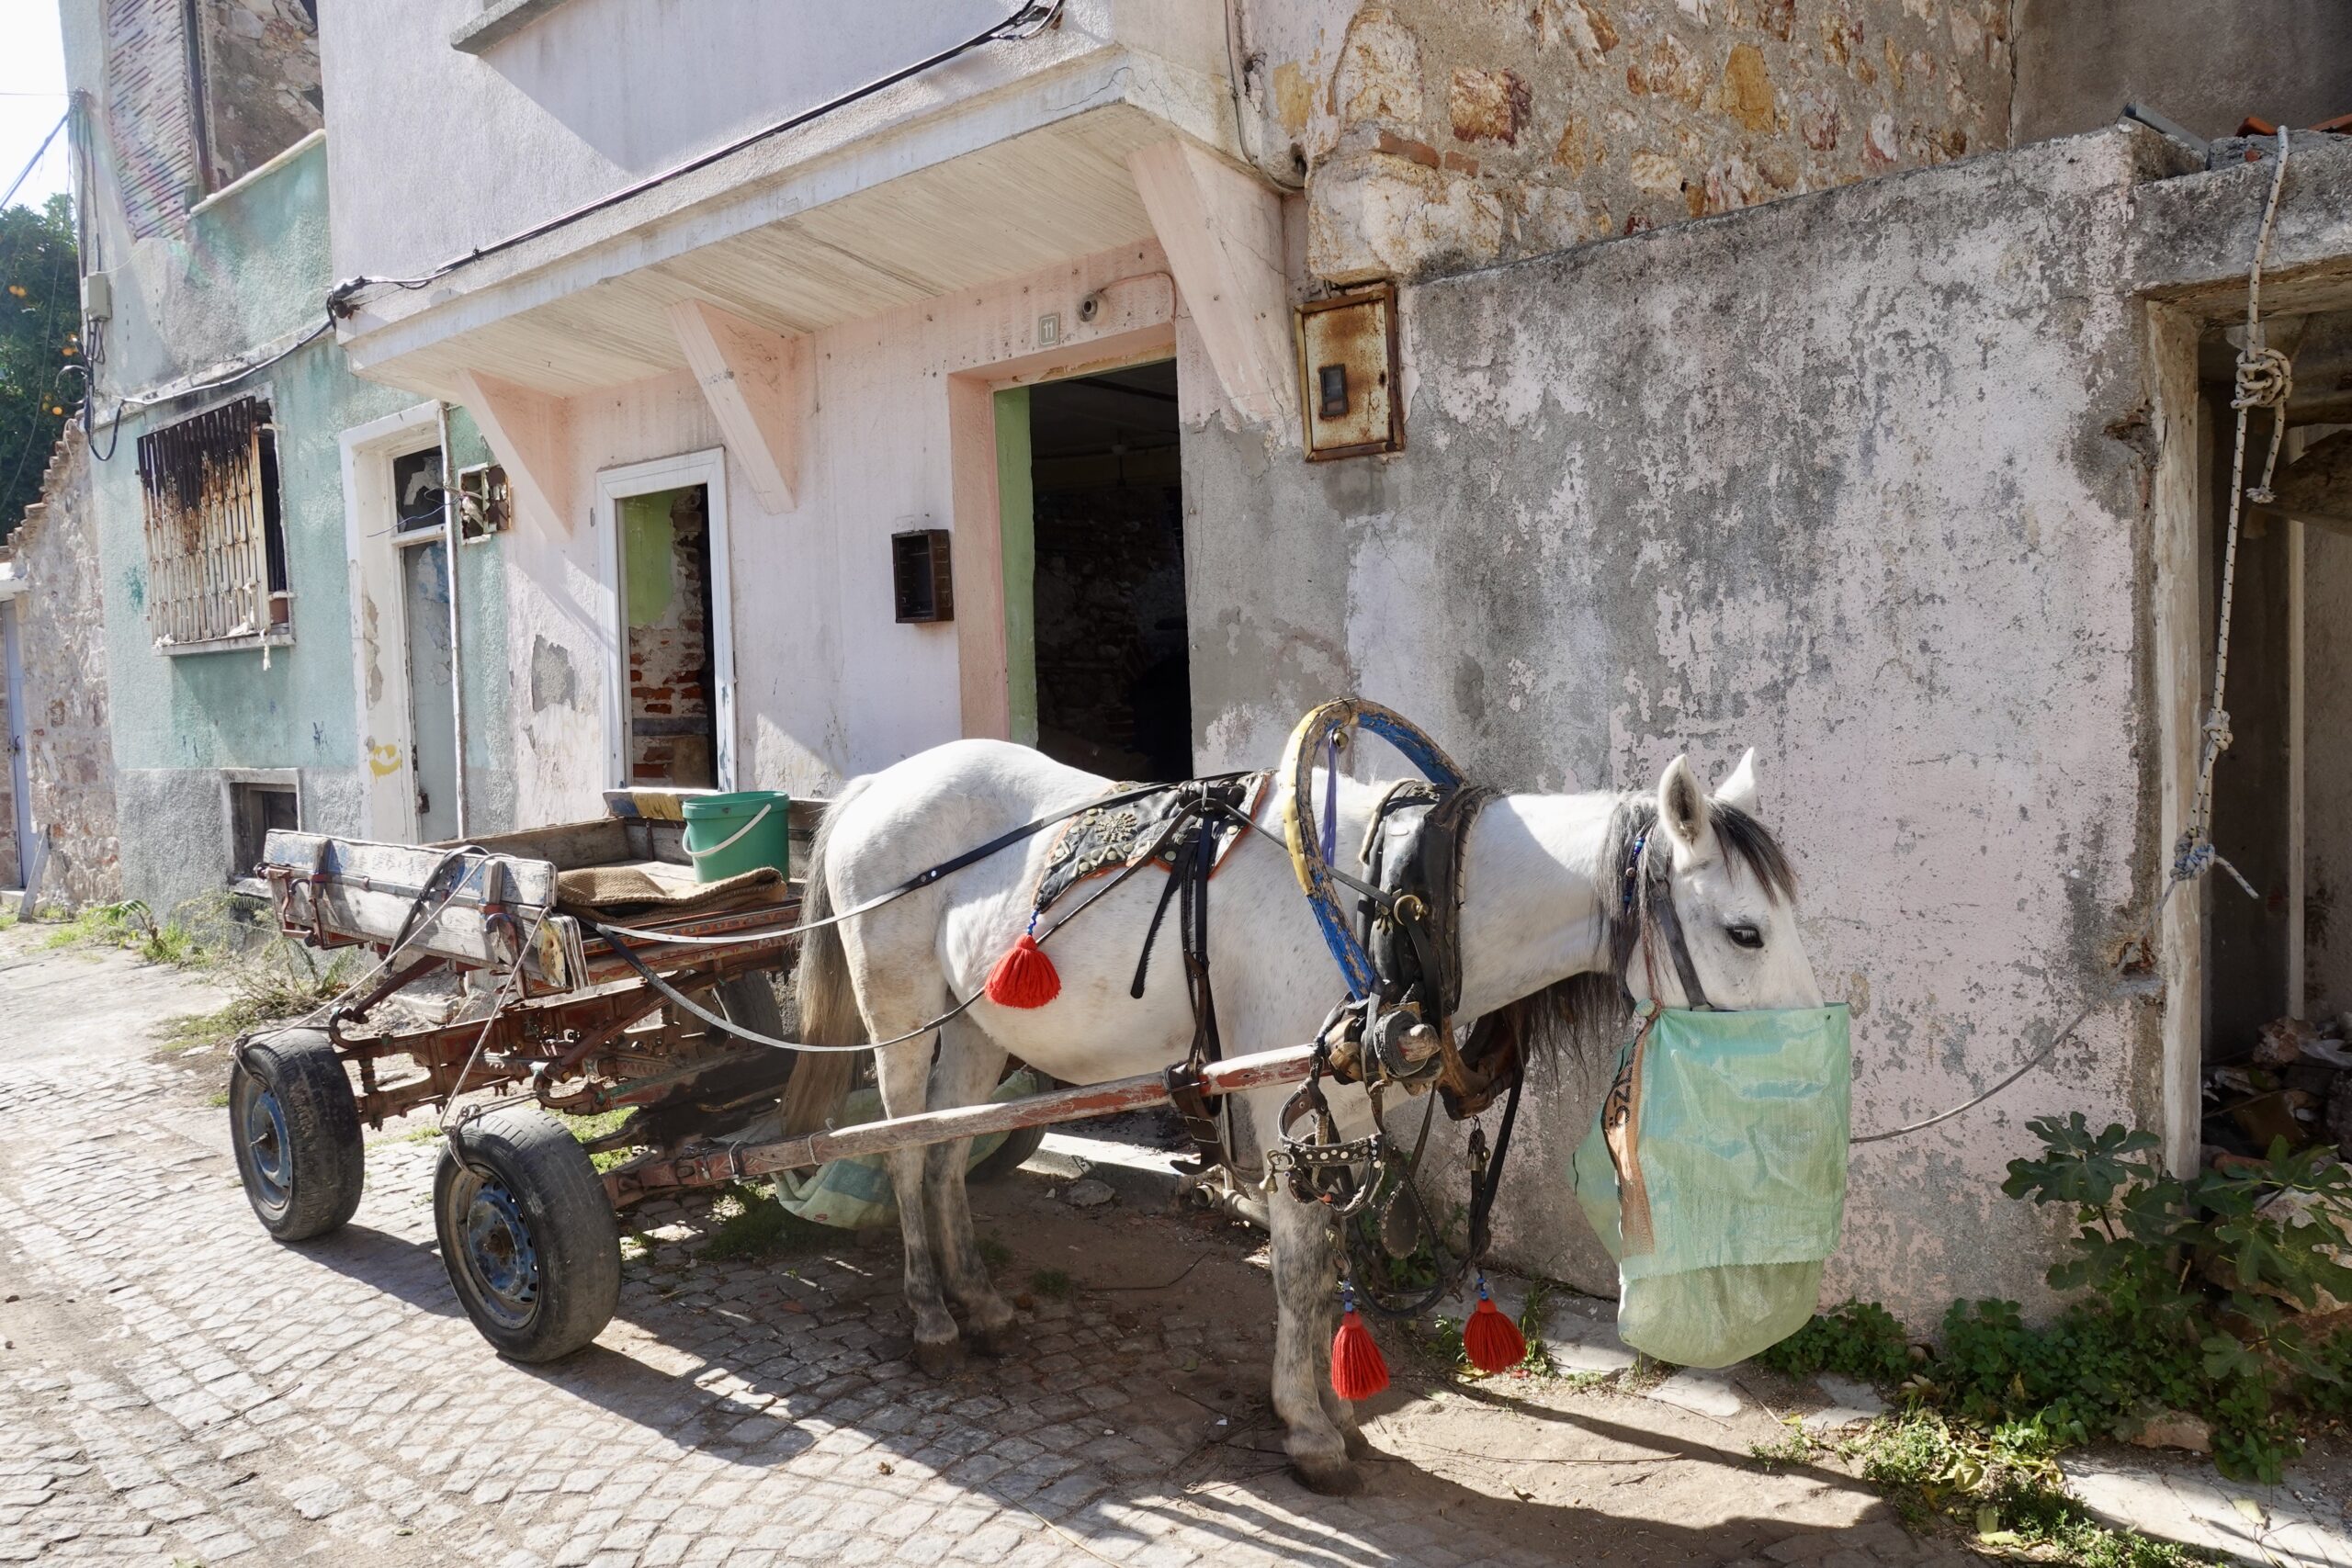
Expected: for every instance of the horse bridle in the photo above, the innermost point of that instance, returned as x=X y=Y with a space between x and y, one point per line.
x=1649 y=889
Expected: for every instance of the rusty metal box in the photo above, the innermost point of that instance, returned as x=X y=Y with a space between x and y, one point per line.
x=1346 y=368
x=923 y=578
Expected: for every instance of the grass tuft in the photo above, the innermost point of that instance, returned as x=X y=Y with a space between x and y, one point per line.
x=1054 y=1284
x=753 y=1227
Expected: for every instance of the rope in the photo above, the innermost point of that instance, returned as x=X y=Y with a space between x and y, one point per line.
x=2265 y=379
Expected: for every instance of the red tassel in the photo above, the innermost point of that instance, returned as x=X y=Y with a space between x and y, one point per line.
x=1357 y=1369
x=1492 y=1340
x=1024 y=977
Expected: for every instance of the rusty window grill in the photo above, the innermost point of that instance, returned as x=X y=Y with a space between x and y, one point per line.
x=215 y=543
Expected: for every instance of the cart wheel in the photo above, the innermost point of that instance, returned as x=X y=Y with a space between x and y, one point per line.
x=527 y=1234
x=295 y=1127
x=1008 y=1155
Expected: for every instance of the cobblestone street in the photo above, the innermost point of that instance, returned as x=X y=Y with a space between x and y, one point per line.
x=177 y=1388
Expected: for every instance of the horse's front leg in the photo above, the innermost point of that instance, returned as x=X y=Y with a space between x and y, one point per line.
x=1305 y=1288
x=905 y=1073
x=969 y=1065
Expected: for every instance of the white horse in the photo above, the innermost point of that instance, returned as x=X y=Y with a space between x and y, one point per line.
x=1541 y=885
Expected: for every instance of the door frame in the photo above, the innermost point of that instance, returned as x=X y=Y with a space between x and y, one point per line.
x=984 y=655
x=379 y=646
x=18 y=738
x=706 y=467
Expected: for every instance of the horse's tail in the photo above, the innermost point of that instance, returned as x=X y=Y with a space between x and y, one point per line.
x=826 y=995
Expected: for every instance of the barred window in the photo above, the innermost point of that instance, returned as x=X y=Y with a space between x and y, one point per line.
x=216 y=544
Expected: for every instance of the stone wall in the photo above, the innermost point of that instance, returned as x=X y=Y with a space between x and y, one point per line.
x=1432 y=136
x=261 y=82
x=11 y=860
x=69 y=746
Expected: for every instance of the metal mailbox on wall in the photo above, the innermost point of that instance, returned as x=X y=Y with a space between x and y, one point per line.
x=1347 y=364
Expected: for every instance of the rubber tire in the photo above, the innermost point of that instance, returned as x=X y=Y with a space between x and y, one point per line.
x=328 y=1161
x=1008 y=1155
x=567 y=1214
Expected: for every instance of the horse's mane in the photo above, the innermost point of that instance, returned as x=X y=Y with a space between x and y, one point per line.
x=1585 y=1015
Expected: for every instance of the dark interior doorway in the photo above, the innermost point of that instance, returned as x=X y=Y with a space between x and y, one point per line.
x=1113 y=679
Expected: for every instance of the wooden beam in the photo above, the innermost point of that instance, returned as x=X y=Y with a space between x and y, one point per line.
x=757 y=385
x=530 y=434
x=1223 y=234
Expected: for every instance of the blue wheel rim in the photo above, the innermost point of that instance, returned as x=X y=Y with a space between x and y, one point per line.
x=496 y=1249
x=270 y=1153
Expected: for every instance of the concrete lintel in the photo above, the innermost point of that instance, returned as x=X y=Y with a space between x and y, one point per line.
x=2191 y=237
x=500 y=21
x=530 y=433
x=756 y=382
x=1223 y=234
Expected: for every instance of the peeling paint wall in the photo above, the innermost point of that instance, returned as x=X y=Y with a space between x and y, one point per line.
x=1851 y=479
x=1432 y=136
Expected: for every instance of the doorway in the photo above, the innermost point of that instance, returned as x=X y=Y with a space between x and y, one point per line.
x=425 y=637
x=669 y=704
x=17 y=862
x=1102 y=678
x=2278 y=965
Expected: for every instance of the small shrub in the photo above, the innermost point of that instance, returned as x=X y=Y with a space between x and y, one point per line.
x=1054 y=1284
x=1860 y=1339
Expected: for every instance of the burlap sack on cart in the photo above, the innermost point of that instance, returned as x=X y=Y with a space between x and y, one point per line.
x=1715 y=1175
x=855 y=1194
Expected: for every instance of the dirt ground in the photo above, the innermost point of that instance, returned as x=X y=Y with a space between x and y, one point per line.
x=177 y=1389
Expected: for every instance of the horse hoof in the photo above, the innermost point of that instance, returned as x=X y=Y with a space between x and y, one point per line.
x=1002 y=1340
x=1328 y=1481
x=1359 y=1446
x=937 y=1358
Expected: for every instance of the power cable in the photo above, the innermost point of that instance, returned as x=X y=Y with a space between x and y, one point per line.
x=34 y=162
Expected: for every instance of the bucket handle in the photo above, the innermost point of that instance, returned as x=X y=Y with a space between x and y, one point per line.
x=732 y=837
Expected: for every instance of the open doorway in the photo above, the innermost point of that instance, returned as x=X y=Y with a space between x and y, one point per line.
x=665 y=598
x=2278 y=965
x=425 y=624
x=670 y=692
x=1108 y=658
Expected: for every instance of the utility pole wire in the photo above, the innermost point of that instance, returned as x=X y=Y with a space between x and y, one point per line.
x=31 y=164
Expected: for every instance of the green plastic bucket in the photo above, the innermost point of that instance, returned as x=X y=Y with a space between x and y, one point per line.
x=727 y=835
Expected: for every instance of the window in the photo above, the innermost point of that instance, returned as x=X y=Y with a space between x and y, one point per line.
x=258 y=801
x=215 y=543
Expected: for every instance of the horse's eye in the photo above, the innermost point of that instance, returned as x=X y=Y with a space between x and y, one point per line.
x=1743 y=935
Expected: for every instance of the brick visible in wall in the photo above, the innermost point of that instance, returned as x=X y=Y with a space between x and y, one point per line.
x=151 y=113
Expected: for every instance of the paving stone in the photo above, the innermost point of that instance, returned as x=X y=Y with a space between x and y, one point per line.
x=1706 y=1393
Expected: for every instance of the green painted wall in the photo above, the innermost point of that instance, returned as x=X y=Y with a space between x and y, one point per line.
x=178 y=718
x=1016 y=498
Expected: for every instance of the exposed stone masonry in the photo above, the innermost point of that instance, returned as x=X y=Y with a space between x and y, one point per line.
x=1436 y=136
x=69 y=758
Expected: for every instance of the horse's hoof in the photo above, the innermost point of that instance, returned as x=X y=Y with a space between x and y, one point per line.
x=1328 y=1481
x=1002 y=1340
x=937 y=1358
x=1359 y=1446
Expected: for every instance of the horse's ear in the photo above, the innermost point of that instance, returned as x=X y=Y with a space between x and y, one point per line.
x=1740 y=790
x=1682 y=810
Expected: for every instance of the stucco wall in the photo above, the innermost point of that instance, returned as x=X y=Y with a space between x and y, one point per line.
x=1844 y=479
x=2206 y=64
x=69 y=742
x=828 y=683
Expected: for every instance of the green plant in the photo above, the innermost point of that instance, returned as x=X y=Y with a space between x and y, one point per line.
x=2001 y=1480
x=2191 y=1286
x=994 y=1253
x=1860 y=1339
x=755 y=1227
x=1790 y=1447
x=1054 y=1284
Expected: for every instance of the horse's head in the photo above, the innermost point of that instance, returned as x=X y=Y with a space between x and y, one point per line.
x=1731 y=892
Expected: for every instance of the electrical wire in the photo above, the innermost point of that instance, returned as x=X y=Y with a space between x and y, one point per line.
x=34 y=162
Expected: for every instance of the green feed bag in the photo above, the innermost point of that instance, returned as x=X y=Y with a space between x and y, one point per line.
x=1715 y=1175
